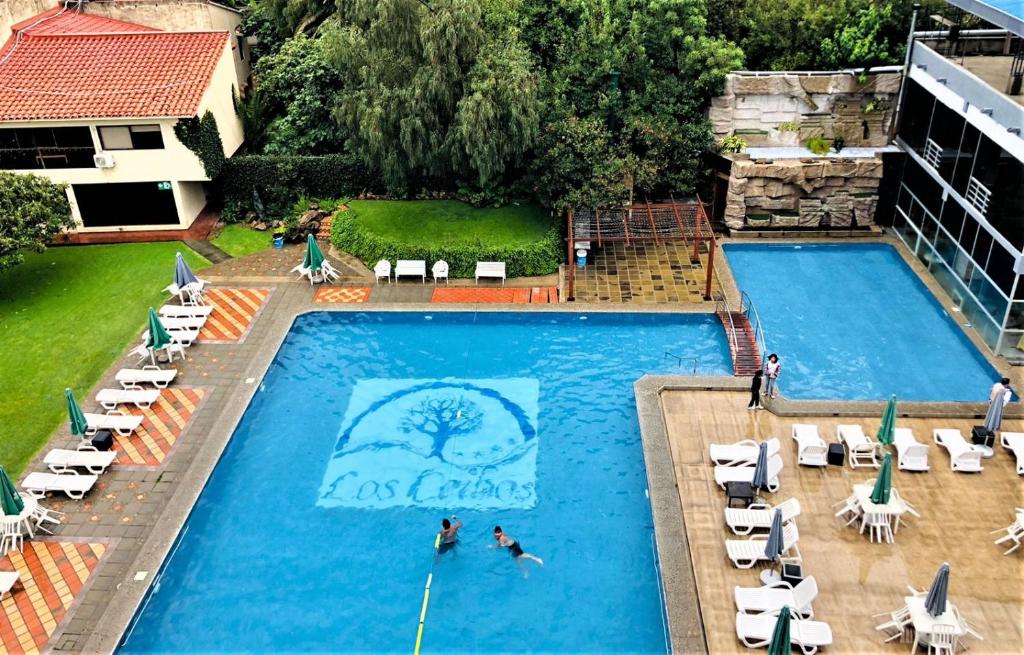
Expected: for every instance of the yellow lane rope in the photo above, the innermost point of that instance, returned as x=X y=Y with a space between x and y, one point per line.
x=426 y=599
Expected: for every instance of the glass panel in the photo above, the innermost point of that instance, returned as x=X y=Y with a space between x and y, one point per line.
x=147 y=137
x=904 y=230
x=965 y=160
x=928 y=228
x=923 y=186
x=946 y=248
x=953 y=218
x=915 y=116
x=1000 y=268
x=947 y=128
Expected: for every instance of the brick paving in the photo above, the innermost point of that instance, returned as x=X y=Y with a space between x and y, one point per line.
x=234 y=310
x=535 y=295
x=341 y=294
x=162 y=424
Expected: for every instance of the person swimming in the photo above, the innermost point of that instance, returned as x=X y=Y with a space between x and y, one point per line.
x=449 y=535
x=515 y=548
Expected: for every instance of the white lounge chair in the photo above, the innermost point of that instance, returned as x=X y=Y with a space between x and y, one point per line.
x=1014 y=441
x=741 y=453
x=962 y=457
x=771 y=598
x=141 y=398
x=143 y=352
x=725 y=474
x=72 y=483
x=1014 y=532
x=745 y=553
x=60 y=460
x=862 y=450
x=759 y=517
x=123 y=424
x=411 y=267
x=491 y=270
x=911 y=455
x=183 y=322
x=811 y=448
x=7 y=581
x=755 y=631
x=179 y=311
x=134 y=378
x=187 y=293
x=382 y=269
x=439 y=271
x=178 y=335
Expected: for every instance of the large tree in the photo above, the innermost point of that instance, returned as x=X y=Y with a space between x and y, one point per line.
x=33 y=211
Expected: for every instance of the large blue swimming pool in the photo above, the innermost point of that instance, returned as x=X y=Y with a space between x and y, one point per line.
x=853 y=322
x=315 y=532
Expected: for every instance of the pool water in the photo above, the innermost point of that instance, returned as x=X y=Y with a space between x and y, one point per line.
x=316 y=530
x=854 y=322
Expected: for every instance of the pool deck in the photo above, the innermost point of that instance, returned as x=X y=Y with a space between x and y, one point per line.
x=134 y=514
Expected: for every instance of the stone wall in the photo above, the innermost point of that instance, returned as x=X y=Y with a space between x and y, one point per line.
x=787 y=109
x=809 y=193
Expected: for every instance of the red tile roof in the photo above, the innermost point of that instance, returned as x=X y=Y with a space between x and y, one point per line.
x=63 y=65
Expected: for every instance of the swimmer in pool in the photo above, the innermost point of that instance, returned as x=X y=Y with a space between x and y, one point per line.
x=505 y=541
x=449 y=535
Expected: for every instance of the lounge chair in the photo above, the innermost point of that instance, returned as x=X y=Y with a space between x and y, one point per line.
x=72 y=483
x=183 y=322
x=725 y=474
x=439 y=271
x=179 y=311
x=412 y=268
x=741 y=453
x=134 y=378
x=491 y=270
x=811 y=448
x=962 y=457
x=190 y=293
x=755 y=631
x=771 y=598
x=7 y=581
x=745 y=553
x=141 y=398
x=123 y=424
x=863 y=450
x=143 y=352
x=1014 y=441
x=382 y=269
x=759 y=517
x=60 y=460
x=911 y=455
x=178 y=335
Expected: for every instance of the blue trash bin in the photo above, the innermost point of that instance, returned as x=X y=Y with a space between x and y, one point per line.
x=278 y=242
x=581 y=257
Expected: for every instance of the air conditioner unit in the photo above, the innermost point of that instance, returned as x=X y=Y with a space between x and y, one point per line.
x=103 y=160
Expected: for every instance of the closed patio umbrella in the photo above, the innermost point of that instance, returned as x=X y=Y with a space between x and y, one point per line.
x=10 y=500
x=935 y=603
x=994 y=416
x=773 y=547
x=183 y=275
x=78 y=422
x=780 y=644
x=314 y=259
x=883 y=483
x=760 y=479
x=888 y=426
x=158 y=337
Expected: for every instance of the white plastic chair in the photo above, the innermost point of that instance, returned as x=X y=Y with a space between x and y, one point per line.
x=863 y=450
x=382 y=269
x=911 y=455
x=962 y=457
x=771 y=598
x=811 y=448
x=759 y=516
x=741 y=453
x=10 y=534
x=899 y=620
x=849 y=506
x=329 y=272
x=7 y=581
x=939 y=641
x=439 y=271
x=1014 y=532
x=878 y=527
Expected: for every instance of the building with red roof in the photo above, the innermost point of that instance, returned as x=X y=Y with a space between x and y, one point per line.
x=92 y=101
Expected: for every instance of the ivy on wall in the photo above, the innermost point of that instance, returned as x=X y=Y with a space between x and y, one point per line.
x=201 y=136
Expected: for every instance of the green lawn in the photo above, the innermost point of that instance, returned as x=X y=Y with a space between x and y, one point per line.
x=239 y=240
x=65 y=316
x=450 y=222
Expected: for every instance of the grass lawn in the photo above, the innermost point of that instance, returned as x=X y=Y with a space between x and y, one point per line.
x=239 y=240
x=451 y=222
x=65 y=316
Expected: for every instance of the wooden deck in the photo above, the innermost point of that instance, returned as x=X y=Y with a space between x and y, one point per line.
x=856 y=578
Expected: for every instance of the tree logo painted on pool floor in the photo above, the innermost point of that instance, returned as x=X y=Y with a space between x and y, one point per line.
x=436 y=443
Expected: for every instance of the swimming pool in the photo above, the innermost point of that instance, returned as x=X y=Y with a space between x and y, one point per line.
x=315 y=531
x=853 y=322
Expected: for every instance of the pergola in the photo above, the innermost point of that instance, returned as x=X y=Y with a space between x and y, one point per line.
x=672 y=221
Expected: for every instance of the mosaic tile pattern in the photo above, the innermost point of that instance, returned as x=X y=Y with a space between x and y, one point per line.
x=233 y=313
x=52 y=575
x=494 y=295
x=341 y=294
x=162 y=424
x=643 y=273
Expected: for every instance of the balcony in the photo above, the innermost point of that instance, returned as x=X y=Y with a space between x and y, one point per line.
x=46 y=158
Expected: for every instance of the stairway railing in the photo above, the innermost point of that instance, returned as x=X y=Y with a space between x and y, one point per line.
x=750 y=311
x=722 y=309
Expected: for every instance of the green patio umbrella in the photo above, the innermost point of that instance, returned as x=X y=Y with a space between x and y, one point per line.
x=888 y=426
x=780 y=643
x=78 y=422
x=314 y=259
x=883 y=483
x=158 y=337
x=10 y=501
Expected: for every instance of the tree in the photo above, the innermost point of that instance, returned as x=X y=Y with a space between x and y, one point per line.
x=33 y=211
x=443 y=418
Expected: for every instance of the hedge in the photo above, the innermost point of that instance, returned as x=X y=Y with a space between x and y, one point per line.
x=540 y=257
x=280 y=180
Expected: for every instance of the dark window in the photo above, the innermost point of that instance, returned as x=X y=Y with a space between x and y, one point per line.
x=916 y=115
x=965 y=160
x=30 y=148
x=131 y=203
x=923 y=186
x=946 y=131
x=131 y=137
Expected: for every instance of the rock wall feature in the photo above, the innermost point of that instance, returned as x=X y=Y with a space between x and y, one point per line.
x=787 y=109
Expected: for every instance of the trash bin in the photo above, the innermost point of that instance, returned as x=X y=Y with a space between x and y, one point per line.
x=103 y=440
x=581 y=257
x=278 y=241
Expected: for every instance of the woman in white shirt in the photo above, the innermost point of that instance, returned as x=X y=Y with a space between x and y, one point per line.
x=772 y=368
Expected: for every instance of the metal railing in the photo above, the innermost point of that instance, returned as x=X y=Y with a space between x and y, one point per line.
x=722 y=308
x=750 y=311
x=685 y=360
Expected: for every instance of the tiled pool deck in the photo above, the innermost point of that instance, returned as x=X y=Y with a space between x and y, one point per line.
x=131 y=519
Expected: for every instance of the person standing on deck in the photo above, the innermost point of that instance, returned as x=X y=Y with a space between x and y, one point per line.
x=772 y=368
x=755 y=391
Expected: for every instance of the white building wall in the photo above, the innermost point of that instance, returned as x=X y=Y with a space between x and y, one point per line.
x=219 y=99
x=191 y=198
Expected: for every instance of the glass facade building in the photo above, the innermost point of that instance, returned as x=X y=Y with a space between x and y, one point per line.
x=960 y=199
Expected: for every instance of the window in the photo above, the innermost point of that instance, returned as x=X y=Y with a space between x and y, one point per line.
x=131 y=137
x=31 y=148
x=978 y=195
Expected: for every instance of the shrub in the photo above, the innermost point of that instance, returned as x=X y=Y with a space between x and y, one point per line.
x=819 y=145
x=540 y=257
x=732 y=143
